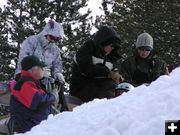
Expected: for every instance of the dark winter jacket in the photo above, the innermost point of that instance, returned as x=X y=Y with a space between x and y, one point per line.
x=29 y=104
x=91 y=67
x=137 y=71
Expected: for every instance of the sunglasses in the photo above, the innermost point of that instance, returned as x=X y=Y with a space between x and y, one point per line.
x=145 y=49
x=54 y=38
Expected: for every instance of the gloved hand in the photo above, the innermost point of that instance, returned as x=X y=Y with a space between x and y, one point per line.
x=59 y=77
x=109 y=65
x=114 y=75
x=12 y=84
x=47 y=72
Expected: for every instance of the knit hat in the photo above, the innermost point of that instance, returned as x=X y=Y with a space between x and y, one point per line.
x=144 y=41
x=30 y=61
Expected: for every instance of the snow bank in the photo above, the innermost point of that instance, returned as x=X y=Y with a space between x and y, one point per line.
x=142 y=111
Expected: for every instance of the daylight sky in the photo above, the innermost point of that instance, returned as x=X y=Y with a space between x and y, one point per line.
x=3 y=2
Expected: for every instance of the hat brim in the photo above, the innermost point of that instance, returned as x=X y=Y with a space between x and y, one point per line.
x=42 y=64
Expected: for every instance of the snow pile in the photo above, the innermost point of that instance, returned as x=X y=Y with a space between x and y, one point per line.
x=142 y=111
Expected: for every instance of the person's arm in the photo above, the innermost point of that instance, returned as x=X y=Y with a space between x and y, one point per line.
x=25 y=50
x=32 y=97
x=159 y=68
x=57 y=66
x=126 y=71
x=85 y=63
x=165 y=70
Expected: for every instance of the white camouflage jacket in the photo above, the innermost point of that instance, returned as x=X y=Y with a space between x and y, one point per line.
x=48 y=52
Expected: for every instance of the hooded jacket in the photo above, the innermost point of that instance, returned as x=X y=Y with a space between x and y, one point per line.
x=137 y=71
x=39 y=46
x=91 y=66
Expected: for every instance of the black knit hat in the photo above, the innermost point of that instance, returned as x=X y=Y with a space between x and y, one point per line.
x=30 y=61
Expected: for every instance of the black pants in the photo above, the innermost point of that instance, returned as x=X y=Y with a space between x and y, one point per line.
x=90 y=90
x=13 y=127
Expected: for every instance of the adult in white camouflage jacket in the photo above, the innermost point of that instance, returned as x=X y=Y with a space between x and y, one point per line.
x=44 y=46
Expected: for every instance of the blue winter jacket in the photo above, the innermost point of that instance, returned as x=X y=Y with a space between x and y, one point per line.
x=29 y=104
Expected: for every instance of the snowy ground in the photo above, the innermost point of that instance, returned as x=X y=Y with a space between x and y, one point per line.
x=142 y=111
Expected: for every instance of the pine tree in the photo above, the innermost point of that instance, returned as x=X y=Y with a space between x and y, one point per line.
x=158 y=18
x=77 y=28
x=6 y=50
x=27 y=17
x=20 y=19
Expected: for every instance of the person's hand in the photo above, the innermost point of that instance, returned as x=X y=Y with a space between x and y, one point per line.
x=114 y=75
x=47 y=72
x=12 y=84
x=59 y=77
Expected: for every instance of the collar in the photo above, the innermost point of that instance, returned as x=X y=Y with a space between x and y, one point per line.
x=44 y=42
x=27 y=74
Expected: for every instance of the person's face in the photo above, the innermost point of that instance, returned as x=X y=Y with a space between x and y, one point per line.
x=53 y=39
x=37 y=72
x=108 y=49
x=143 y=53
